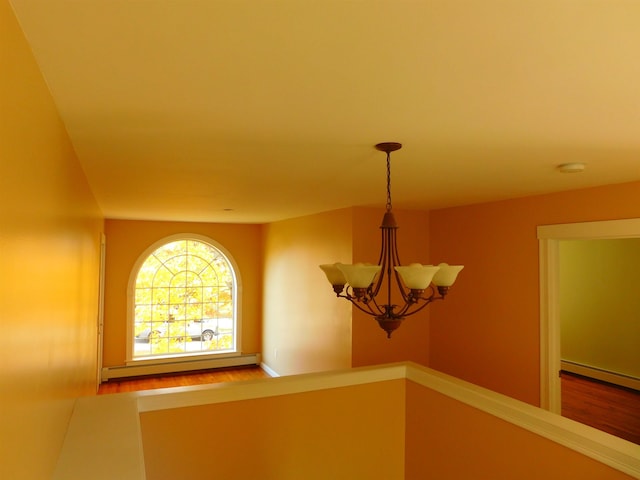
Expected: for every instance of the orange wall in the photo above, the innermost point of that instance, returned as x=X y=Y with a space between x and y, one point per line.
x=448 y=439
x=370 y=345
x=50 y=228
x=337 y=433
x=489 y=332
x=128 y=239
x=306 y=328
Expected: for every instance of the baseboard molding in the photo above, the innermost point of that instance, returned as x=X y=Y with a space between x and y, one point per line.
x=185 y=365
x=599 y=374
x=269 y=370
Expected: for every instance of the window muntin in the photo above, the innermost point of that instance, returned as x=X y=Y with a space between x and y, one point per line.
x=184 y=302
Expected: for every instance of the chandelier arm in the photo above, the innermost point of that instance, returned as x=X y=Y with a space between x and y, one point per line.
x=382 y=263
x=406 y=313
x=373 y=306
x=358 y=304
x=388 y=265
x=368 y=310
x=410 y=302
x=381 y=311
x=395 y=261
x=406 y=295
x=427 y=302
x=423 y=302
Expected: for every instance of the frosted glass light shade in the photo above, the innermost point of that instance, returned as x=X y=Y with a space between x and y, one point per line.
x=359 y=275
x=446 y=275
x=334 y=274
x=417 y=276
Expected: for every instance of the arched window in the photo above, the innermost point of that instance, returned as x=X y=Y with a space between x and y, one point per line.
x=184 y=300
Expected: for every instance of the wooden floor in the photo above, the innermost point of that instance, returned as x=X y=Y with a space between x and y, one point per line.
x=613 y=409
x=183 y=380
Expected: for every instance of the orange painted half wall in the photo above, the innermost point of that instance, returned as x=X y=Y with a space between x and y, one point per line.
x=392 y=421
x=448 y=439
x=128 y=239
x=490 y=334
x=393 y=428
x=338 y=433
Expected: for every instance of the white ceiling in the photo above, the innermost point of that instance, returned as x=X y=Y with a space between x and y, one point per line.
x=183 y=109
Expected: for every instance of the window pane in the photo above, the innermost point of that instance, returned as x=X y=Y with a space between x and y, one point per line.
x=184 y=301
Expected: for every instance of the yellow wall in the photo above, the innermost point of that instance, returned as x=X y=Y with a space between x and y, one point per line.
x=50 y=229
x=411 y=341
x=128 y=239
x=448 y=439
x=488 y=333
x=306 y=328
x=599 y=299
x=338 y=433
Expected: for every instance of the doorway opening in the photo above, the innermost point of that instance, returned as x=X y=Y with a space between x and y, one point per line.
x=549 y=237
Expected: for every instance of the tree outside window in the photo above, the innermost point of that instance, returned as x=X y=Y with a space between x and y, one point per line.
x=184 y=301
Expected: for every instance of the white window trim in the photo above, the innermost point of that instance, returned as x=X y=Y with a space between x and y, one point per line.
x=237 y=299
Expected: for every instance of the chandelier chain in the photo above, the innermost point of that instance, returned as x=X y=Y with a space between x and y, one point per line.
x=388 y=181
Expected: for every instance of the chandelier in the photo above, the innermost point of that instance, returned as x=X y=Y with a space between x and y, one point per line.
x=418 y=285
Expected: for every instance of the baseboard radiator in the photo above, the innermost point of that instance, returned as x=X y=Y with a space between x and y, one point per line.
x=599 y=374
x=123 y=371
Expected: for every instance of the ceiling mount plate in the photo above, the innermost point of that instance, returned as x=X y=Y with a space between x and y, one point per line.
x=389 y=146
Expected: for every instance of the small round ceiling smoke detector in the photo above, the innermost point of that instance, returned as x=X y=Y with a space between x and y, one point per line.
x=571 y=167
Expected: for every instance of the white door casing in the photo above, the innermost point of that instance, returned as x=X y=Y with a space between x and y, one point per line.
x=103 y=243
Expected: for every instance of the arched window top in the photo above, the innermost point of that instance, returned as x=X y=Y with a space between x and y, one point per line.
x=184 y=291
